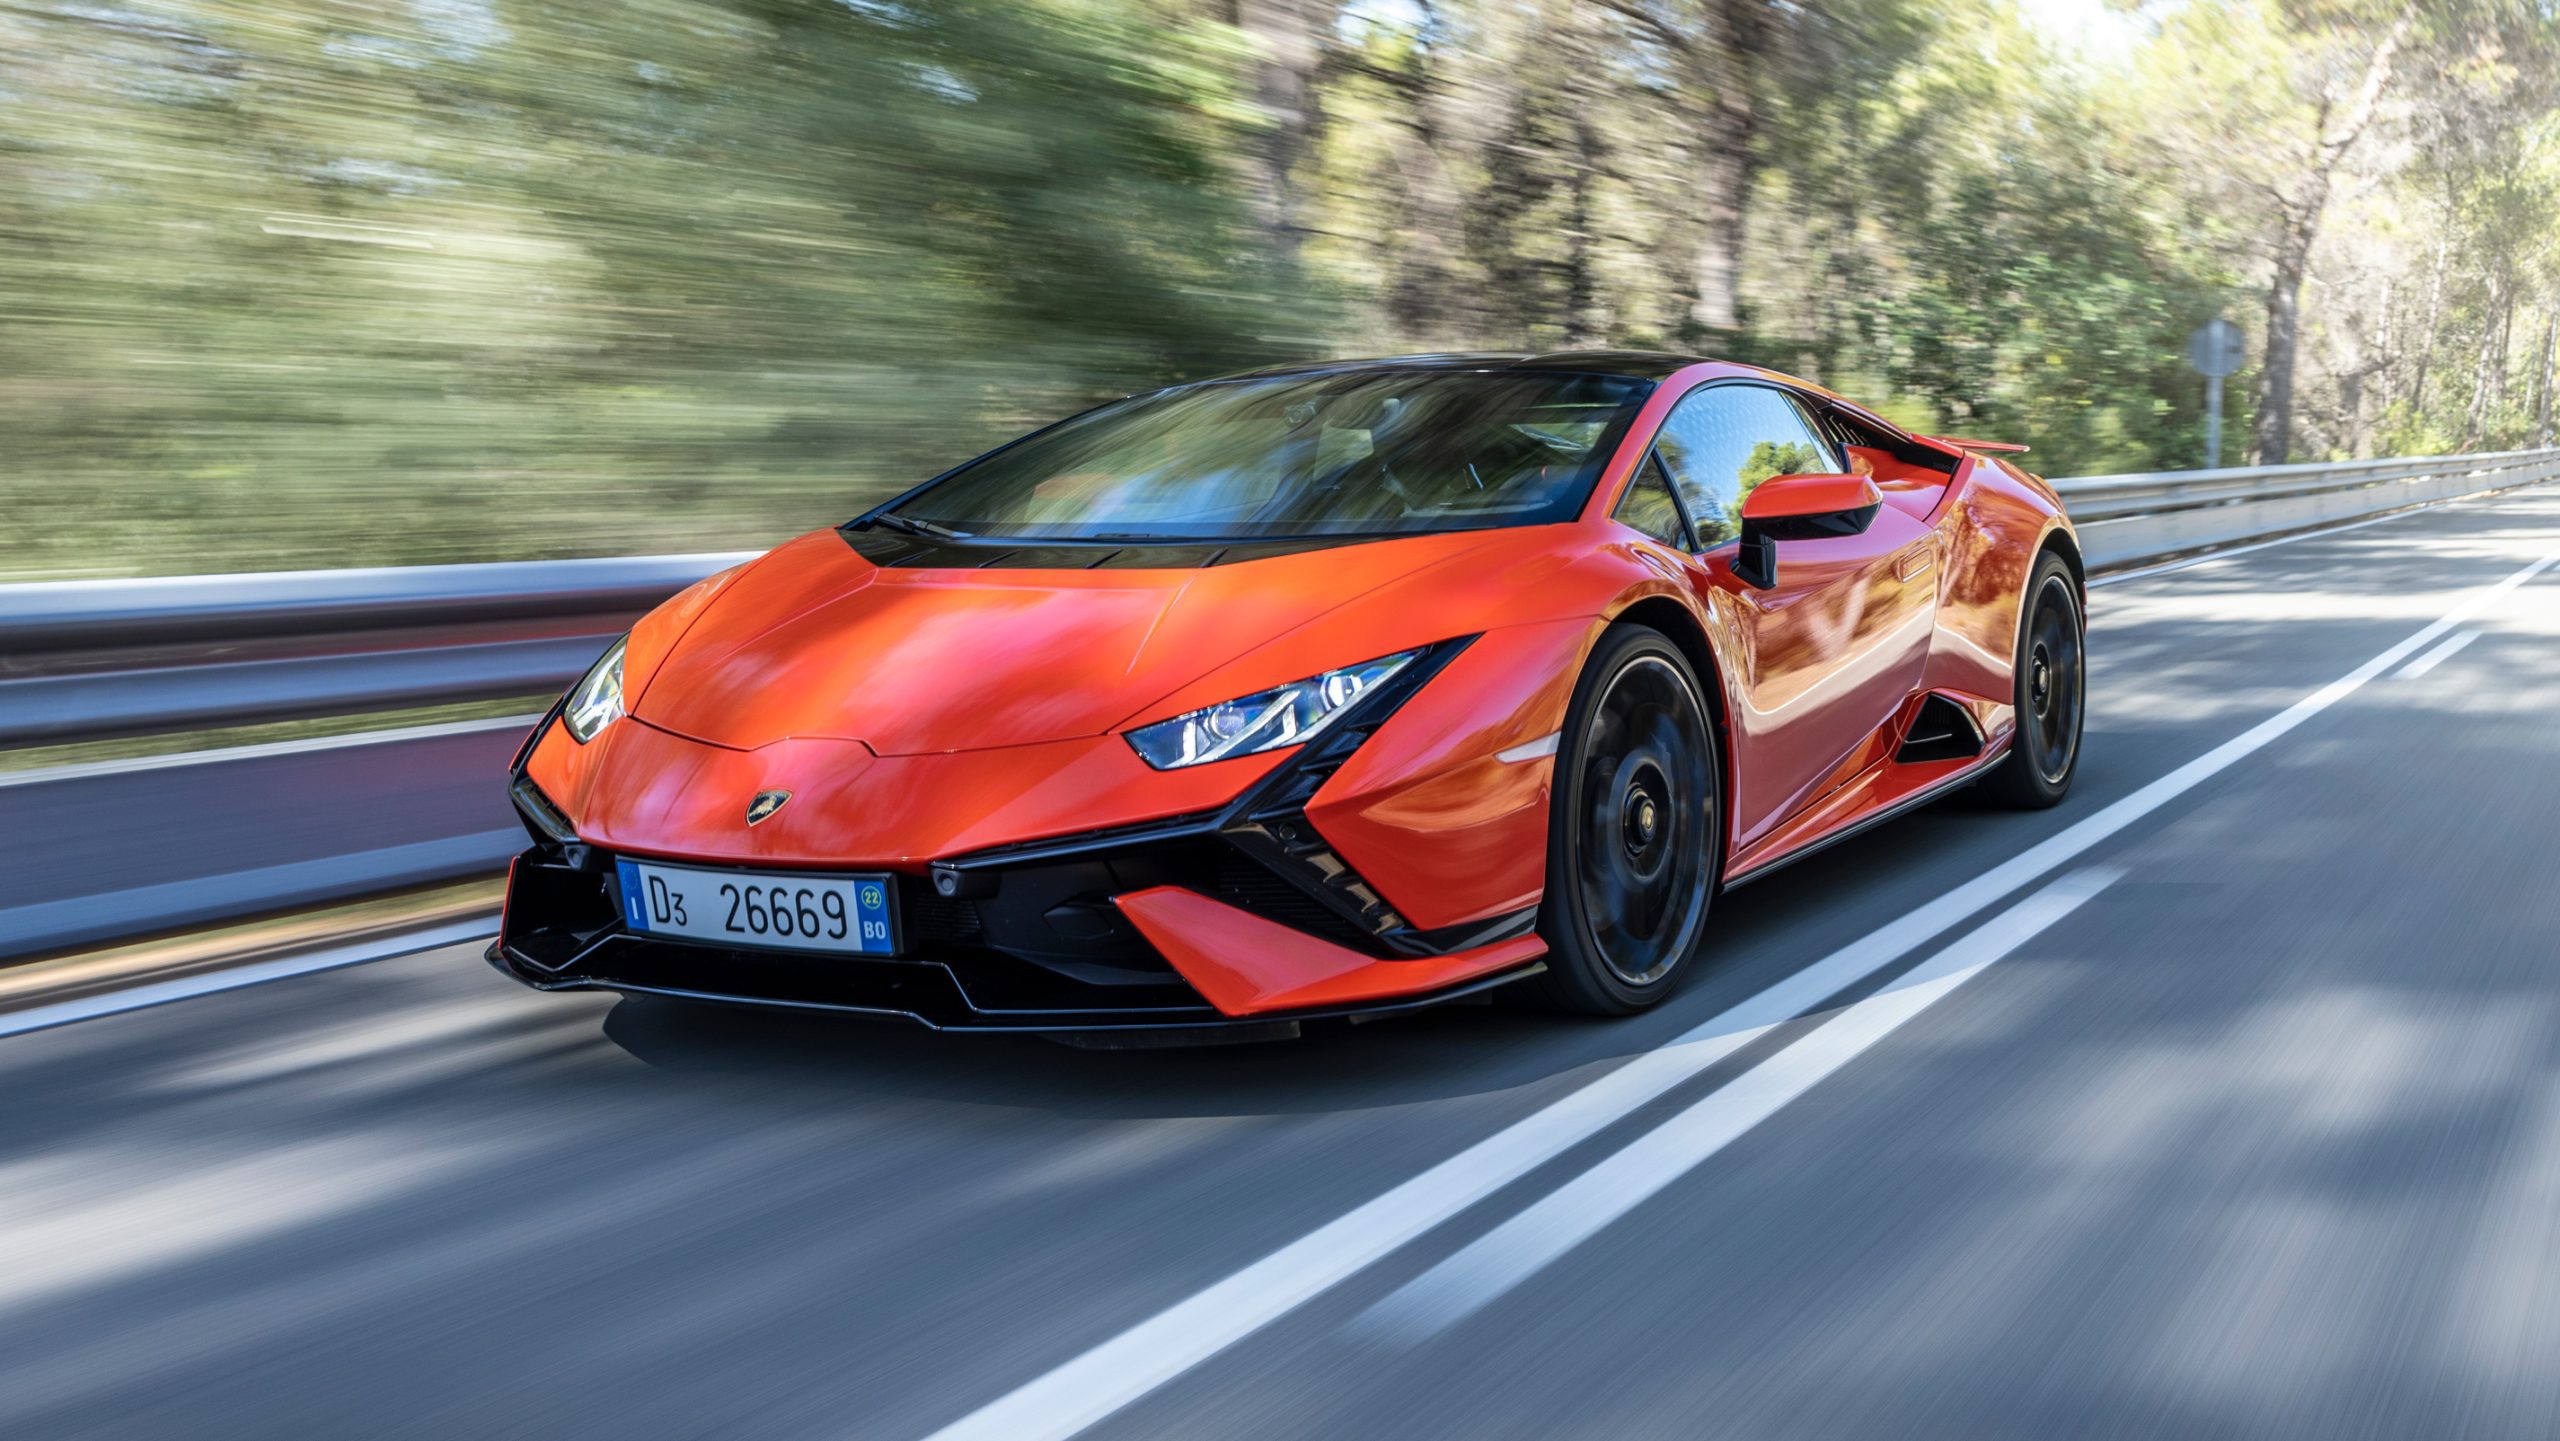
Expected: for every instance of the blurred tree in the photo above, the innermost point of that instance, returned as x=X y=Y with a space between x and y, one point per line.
x=2276 y=100
x=2368 y=39
x=1290 y=39
x=1718 y=55
x=310 y=282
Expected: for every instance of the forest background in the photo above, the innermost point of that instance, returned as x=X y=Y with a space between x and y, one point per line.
x=290 y=283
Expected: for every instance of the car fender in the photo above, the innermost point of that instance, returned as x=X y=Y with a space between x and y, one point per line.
x=1444 y=810
x=1993 y=532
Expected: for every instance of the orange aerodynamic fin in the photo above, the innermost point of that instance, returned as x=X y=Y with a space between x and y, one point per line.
x=1957 y=442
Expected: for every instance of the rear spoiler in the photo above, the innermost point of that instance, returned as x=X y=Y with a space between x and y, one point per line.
x=1956 y=442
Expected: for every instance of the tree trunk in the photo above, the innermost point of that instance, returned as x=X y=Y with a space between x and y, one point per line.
x=1450 y=113
x=2485 y=369
x=2272 y=437
x=1739 y=53
x=2301 y=225
x=1724 y=59
x=1291 y=36
x=2427 y=335
x=1423 y=295
x=1581 y=283
x=2499 y=359
x=2371 y=390
x=1724 y=200
x=2542 y=398
x=1582 y=46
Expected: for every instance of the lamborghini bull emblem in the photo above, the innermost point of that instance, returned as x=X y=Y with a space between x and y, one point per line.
x=765 y=804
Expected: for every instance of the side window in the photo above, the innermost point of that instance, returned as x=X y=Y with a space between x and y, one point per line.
x=1649 y=506
x=1725 y=439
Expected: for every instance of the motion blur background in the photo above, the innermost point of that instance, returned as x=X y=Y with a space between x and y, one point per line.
x=2262 y=1140
x=296 y=283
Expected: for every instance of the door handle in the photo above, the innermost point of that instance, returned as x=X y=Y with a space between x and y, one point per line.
x=1914 y=563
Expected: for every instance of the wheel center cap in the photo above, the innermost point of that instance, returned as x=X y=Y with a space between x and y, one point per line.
x=1641 y=818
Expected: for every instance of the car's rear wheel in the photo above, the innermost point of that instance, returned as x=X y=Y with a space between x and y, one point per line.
x=1636 y=830
x=2052 y=687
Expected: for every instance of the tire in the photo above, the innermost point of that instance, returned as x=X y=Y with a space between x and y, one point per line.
x=1635 y=834
x=2052 y=687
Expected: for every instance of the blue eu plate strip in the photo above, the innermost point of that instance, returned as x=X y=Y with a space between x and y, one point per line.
x=634 y=909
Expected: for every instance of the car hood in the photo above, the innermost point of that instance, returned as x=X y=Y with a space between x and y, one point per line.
x=815 y=641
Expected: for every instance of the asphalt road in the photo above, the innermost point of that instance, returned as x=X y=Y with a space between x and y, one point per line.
x=2231 y=1109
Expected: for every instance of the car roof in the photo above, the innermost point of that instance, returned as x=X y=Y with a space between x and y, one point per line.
x=1634 y=364
x=1639 y=364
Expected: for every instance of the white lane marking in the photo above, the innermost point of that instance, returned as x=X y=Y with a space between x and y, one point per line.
x=2438 y=656
x=1503 y=1258
x=232 y=978
x=43 y=774
x=1086 y=1388
x=1539 y=749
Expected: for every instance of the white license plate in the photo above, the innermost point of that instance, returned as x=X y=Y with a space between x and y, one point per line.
x=744 y=908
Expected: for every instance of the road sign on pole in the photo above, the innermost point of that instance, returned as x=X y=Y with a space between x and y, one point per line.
x=2216 y=349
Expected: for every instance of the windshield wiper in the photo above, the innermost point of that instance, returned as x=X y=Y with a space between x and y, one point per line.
x=913 y=526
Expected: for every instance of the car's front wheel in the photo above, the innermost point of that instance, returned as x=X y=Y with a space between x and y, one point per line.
x=1636 y=831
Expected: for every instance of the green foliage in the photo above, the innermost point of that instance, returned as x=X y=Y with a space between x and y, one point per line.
x=304 y=283
x=318 y=282
x=1770 y=458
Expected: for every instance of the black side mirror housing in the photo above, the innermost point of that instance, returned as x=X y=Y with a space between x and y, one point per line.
x=1799 y=507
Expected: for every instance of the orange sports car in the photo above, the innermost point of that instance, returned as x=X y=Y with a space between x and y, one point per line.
x=1302 y=694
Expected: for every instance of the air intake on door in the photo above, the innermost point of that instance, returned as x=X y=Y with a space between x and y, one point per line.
x=1942 y=731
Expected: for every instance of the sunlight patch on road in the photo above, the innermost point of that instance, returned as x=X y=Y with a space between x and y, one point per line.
x=79 y=1220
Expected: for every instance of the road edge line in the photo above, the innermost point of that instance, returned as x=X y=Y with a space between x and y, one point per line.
x=53 y=1014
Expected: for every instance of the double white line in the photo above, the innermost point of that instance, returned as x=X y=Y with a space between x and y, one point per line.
x=1091 y=1386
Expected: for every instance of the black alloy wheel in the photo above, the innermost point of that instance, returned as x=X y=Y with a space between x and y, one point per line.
x=1636 y=834
x=2052 y=693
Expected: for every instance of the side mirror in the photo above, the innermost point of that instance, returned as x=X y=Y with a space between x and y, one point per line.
x=1799 y=507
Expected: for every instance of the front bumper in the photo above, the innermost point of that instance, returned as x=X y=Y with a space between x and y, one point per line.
x=934 y=994
x=1243 y=915
x=1055 y=955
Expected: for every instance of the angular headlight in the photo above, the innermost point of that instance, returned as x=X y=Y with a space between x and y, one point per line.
x=596 y=701
x=1283 y=716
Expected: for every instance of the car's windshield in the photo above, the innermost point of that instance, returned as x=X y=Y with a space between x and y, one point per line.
x=1382 y=452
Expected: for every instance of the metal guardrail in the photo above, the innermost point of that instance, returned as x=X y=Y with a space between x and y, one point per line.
x=97 y=659
x=2127 y=519
x=120 y=850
